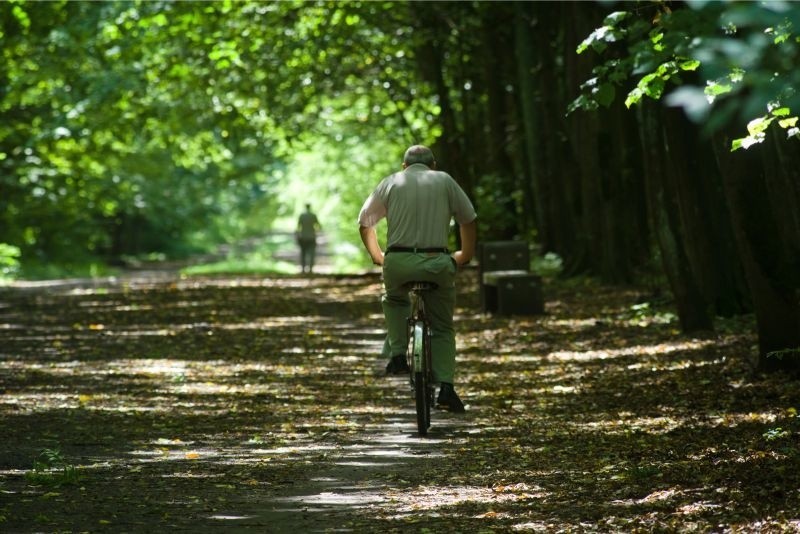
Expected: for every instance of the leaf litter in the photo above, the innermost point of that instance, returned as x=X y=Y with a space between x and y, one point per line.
x=259 y=404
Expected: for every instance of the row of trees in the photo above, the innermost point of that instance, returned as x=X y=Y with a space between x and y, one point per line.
x=681 y=145
x=722 y=192
x=610 y=188
x=128 y=127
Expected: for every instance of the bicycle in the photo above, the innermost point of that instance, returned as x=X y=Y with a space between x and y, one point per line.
x=419 y=354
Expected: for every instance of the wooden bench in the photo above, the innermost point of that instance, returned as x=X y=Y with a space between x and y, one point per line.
x=507 y=287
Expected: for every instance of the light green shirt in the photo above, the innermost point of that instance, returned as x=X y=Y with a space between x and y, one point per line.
x=418 y=204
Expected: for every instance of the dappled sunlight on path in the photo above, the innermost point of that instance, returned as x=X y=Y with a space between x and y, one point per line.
x=260 y=404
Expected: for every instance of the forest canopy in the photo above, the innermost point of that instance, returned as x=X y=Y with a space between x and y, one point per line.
x=137 y=127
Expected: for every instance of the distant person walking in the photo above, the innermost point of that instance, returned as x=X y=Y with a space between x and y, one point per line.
x=306 y=234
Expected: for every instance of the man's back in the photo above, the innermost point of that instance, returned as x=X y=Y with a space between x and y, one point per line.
x=419 y=203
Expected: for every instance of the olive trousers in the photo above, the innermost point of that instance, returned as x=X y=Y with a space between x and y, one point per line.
x=400 y=268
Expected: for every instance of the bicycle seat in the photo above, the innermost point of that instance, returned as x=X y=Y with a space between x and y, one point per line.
x=420 y=285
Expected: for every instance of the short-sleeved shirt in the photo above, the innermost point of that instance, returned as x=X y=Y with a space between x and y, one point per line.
x=418 y=204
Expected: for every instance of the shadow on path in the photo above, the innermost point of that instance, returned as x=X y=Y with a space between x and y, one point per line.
x=258 y=404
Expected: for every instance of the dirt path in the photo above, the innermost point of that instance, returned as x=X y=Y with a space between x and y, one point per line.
x=259 y=405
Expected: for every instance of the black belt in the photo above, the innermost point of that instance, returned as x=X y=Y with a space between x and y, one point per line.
x=416 y=250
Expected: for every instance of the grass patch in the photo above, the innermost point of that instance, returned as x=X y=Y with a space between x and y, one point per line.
x=56 y=270
x=252 y=264
x=51 y=469
x=265 y=258
x=278 y=254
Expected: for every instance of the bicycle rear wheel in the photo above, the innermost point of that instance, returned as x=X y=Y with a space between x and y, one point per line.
x=423 y=408
x=422 y=399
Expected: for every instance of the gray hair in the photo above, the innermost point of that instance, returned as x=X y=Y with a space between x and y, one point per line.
x=419 y=154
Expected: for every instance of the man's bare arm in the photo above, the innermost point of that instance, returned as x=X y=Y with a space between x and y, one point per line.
x=370 y=240
x=469 y=235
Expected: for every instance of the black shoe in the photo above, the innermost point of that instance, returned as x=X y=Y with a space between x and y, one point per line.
x=397 y=365
x=448 y=399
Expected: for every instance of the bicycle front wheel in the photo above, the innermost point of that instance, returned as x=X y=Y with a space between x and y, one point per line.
x=420 y=361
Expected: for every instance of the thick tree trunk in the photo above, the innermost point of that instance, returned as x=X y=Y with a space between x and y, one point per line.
x=702 y=215
x=663 y=206
x=431 y=62
x=535 y=191
x=624 y=226
x=781 y=161
x=759 y=192
x=608 y=196
x=495 y=169
x=581 y=130
x=559 y=168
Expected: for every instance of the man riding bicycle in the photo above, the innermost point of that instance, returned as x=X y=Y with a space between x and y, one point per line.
x=418 y=203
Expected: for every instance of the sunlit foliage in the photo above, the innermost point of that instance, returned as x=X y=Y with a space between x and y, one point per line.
x=131 y=127
x=745 y=54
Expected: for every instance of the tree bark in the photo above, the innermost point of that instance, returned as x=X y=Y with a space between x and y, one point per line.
x=607 y=195
x=758 y=191
x=702 y=215
x=534 y=189
x=494 y=167
x=663 y=206
x=430 y=52
x=581 y=131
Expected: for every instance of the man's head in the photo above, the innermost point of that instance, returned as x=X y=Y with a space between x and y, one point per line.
x=419 y=154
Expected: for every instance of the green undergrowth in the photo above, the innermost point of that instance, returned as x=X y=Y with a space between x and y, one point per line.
x=264 y=257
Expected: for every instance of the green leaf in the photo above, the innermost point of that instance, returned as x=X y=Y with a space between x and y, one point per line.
x=652 y=85
x=758 y=126
x=788 y=123
x=21 y=16
x=665 y=70
x=600 y=36
x=737 y=144
x=615 y=18
x=656 y=37
x=736 y=75
x=781 y=112
x=689 y=64
x=750 y=140
x=582 y=102
x=605 y=94
x=655 y=88
x=634 y=97
x=716 y=89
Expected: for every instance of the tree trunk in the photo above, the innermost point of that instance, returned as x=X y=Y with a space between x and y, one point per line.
x=771 y=274
x=759 y=191
x=495 y=169
x=623 y=217
x=607 y=199
x=558 y=166
x=534 y=191
x=430 y=53
x=702 y=215
x=663 y=206
x=581 y=131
